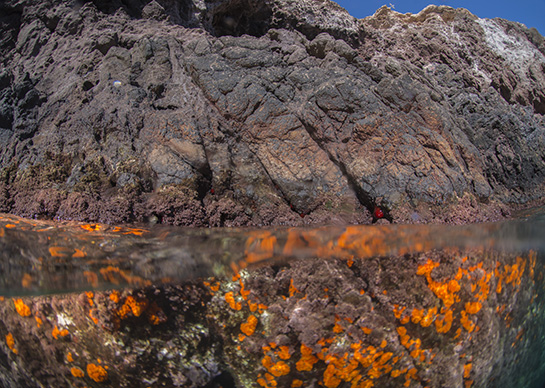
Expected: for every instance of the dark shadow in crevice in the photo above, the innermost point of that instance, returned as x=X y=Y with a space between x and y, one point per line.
x=177 y=12
x=224 y=380
x=539 y=104
x=10 y=24
x=234 y=18
x=242 y=17
x=364 y=197
x=133 y=8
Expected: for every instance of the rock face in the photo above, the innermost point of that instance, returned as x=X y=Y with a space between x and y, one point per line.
x=246 y=112
x=242 y=112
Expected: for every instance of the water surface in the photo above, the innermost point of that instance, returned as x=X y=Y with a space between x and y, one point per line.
x=45 y=257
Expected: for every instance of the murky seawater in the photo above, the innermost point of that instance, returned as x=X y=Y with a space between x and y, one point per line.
x=44 y=257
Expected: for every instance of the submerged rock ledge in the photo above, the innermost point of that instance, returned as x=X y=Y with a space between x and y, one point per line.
x=412 y=306
x=436 y=319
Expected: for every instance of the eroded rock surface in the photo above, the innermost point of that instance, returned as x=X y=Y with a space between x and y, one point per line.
x=222 y=113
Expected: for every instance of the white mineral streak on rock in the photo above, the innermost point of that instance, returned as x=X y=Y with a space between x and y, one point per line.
x=514 y=48
x=64 y=321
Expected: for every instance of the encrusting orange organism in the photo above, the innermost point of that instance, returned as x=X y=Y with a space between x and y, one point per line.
x=77 y=372
x=11 y=343
x=249 y=326
x=22 y=309
x=307 y=360
x=56 y=332
x=97 y=373
x=230 y=299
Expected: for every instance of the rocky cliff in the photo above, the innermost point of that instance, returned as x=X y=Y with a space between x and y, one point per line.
x=271 y=112
x=242 y=112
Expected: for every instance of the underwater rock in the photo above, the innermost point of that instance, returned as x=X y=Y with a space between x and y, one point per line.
x=440 y=318
x=291 y=112
x=362 y=306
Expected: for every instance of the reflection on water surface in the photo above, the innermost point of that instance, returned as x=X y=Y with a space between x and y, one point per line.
x=42 y=257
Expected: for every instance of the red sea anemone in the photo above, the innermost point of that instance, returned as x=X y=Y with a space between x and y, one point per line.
x=378 y=213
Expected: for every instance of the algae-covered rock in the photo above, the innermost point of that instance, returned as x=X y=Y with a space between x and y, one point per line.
x=452 y=318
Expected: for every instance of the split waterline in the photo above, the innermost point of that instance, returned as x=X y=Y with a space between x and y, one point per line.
x=47 y=257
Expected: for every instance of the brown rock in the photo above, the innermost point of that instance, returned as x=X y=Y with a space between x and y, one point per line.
x=267 y=106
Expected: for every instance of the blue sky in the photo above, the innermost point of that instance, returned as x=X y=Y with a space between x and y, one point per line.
x=529 y=12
